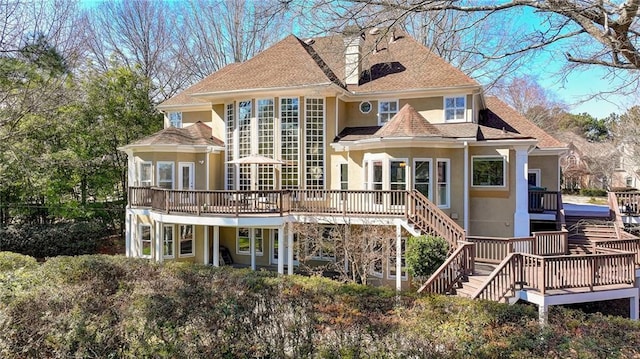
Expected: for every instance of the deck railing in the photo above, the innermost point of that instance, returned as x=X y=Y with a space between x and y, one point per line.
x=140 y=196
x=349 y=202
x=495 y=249
x=627 y=202
x=425 y=215
x=545 y=273
x=544 y=201
x=455 y=269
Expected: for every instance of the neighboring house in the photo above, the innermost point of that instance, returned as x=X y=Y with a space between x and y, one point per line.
x=627 y=171
x=589 y=164
x=371 y=130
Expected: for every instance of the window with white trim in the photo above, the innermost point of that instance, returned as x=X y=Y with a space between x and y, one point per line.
x=144 y=231
x=165 y=174
x=391 y=259
x=231 y=143
x=398 y=181
x=378 y=254
x=168 y=242
x=344 y=176
x=245 y=112
x=290 y=142
x=314 y=143
x=455 y=108
x=422 y=177
x=629 y=181
x=187 y=241
x=243 y=240
x=324 y=247
x=145 y=174
x=443 y=187
x=266 y=142
x=488 y=171
x=175 y=119
x=386 y=111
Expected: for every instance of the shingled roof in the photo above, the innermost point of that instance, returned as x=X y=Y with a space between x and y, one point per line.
x=388 y=63
x=198 y=134
x=407 y=122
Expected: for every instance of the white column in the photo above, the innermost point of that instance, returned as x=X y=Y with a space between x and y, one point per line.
x=633 y=308
x=465 y=192
x=216 y=246
x=128 y=235
x=206 y=246
x=289 y=249
x=158 y=242
x=252 y=246
x=543 y=314
x=521 y=214
x=281 y=250
x=398 y=257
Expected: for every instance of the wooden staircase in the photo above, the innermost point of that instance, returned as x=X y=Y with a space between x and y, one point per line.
x=585 y=232
x=474 y=281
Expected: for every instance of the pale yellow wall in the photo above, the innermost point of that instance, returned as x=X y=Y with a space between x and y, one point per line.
x=549 y=170
x=192 y=117
x=491 y=209
x=217 y=121
x=176 y=157
x=228 y=239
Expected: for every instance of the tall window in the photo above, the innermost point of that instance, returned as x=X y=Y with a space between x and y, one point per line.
x=165 y=175
x=231 y=143
x=145 y=174
x=422 y=177
x=314 y=142
x=398 y=180
x=144 y=231
x=244 y=142
x=391 y=259
x=443 y=183
x=265 y=142
x=243 y=243
x=488 y=171
x=455 y=108
x=386 y=111
x=168 y=240
x=175 y=119
x=344 y=176
x=376 y=181
x=323 y=247
x=289 y=132
x=187 y=241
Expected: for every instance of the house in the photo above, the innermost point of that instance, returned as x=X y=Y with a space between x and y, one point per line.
x=366 y=129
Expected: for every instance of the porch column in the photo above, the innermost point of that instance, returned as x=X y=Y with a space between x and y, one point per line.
x=252 y=246
x=216 y=246
x=521 y=214
x=158 y=241
x=634 y=313
x=398 y=257
x=543 y=314
x=289 y=249
x=128 y=235
x=281 y=250
x=206 y=246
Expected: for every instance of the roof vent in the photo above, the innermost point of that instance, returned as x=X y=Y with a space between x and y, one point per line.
x=393 y=37
x=374 y=31
x=309 y=41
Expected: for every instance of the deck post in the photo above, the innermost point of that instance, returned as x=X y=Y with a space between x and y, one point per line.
x=521 y=226
x=281 y=250
x=205 y=255
x=289 y=249
x=634 y=312
x=543 y=314
x=216 y=246
x=252 y=245
x=158 y=241
x=398 y=257
x=128 y=229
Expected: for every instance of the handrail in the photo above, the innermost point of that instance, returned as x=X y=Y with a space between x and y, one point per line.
x=430 y=219
x=612 y=200
x=457 y=267
x=502 y=280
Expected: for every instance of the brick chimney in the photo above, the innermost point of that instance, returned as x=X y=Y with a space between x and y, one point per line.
x=353 y=41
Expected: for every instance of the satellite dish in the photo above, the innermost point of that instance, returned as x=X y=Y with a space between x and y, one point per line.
x=374 y=31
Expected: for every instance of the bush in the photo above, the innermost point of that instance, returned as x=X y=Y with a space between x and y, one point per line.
x=623 y=189
x=12 y=261
x=425 y=254
x=593 y=192
x=42 y=241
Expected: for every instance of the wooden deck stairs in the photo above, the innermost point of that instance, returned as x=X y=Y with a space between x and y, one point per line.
x=474 y=281
x=584 y=233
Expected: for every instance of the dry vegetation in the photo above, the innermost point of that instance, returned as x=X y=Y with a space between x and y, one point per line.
x=111 y=306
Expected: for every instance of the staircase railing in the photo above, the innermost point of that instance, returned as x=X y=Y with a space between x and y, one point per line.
x=430 y=219
x=617 y=216
x=503 y=279
x=453 y=271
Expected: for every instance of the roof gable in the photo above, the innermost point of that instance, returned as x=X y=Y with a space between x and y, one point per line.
x=407 y=123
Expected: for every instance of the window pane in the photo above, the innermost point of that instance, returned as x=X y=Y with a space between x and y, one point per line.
x=145 y=238
x=449 y=102
x=488 y=171
x=168 y=241
x=186 y=239
x=459 y=101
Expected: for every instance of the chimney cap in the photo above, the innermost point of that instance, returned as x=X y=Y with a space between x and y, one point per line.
x=352 y=31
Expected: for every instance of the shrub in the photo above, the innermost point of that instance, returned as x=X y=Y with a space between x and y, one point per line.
x=12 y=261
x=40 y=241
x=425 y=254
x=593 y=192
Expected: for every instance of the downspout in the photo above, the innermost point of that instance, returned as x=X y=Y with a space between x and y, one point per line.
x=208 y=154
x=466 y=188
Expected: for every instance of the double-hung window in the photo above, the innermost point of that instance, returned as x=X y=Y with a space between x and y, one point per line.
x=243 y=244
x=443 y=176
x=422 y=177
x=187 y=241
x=165 y=175
x=145 y=174
x=175 y=119
x=144 y=231
x=488 y=171
x=168 y=240
x=455 y=108
x=386 y=111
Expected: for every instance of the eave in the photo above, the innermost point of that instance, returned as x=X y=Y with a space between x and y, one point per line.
x=312 y=90
x=172 y=148
x=185 y=107
x=414 y=93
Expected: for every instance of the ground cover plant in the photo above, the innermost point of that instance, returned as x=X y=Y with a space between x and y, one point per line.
x=102 y=306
